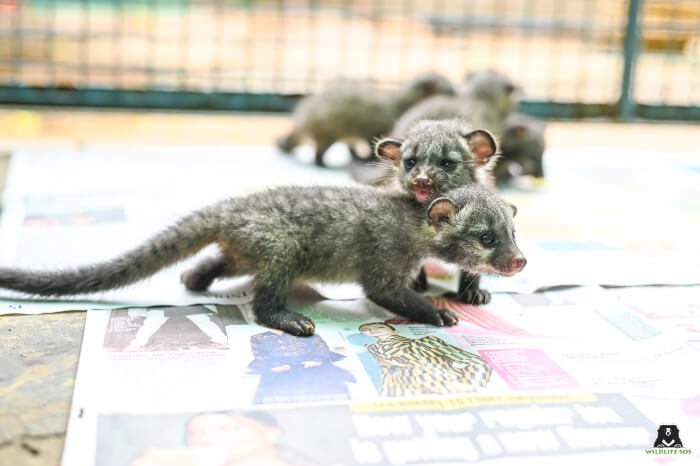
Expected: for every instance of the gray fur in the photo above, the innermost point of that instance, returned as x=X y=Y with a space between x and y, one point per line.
x=522 y=148
x=299 y=234
x=481 y=211
x=350 y=111
x=494 y=88
x=485 y=99
x=430 y=144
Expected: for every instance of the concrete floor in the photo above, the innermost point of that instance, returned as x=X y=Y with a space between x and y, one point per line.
x=39 y=357
x=39 y=354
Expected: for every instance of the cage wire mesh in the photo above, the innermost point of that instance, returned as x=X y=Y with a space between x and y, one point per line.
x=569 y=52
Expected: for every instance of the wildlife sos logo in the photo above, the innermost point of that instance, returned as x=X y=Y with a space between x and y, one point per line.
x=668 y=442
x=668 y=437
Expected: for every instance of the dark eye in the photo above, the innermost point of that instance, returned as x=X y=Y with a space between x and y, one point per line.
x=448 y=165
x=409 y=163
x=487 y=239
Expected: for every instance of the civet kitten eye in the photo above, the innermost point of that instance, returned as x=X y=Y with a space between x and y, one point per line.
x=448 y=165
x=487 y=239
x=409 y=163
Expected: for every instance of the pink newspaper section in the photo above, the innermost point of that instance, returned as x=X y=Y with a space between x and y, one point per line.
x=528 y=369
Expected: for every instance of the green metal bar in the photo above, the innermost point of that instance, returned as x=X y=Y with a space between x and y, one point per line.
x=273 y=102
x=668 y=112
x=626 y=103
x=566 y=110
x=152 y=99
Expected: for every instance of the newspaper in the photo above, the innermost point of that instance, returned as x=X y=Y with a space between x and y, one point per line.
x=571 y=376
x=169 y=377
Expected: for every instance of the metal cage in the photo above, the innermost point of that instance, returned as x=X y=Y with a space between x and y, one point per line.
x=574 y=58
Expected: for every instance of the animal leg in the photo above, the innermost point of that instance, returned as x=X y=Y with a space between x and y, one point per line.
x=469 y=291
x=421 y=282
x=268 y=306
x=321 y=148
x=415 y=307
x=203 y=274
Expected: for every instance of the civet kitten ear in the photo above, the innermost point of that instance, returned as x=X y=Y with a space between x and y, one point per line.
x=441 y=210
x=389 y=149
x=514 y=209
x=482 y=144
x=517 y=130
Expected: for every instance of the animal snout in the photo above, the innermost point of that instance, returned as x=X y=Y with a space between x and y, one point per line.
x=518 y=263
x=422 y=181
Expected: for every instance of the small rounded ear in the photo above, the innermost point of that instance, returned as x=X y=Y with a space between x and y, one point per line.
x=514 y=209
x=441 y=210
x=428 y=88
x=482 y=144
x=390 y=149
x=518 y=130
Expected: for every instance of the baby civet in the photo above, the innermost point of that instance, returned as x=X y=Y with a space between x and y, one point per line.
x=437 y=156
x=284 y=236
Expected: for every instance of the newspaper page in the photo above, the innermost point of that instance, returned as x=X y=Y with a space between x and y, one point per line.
x=573 y=376
x=169 y=377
